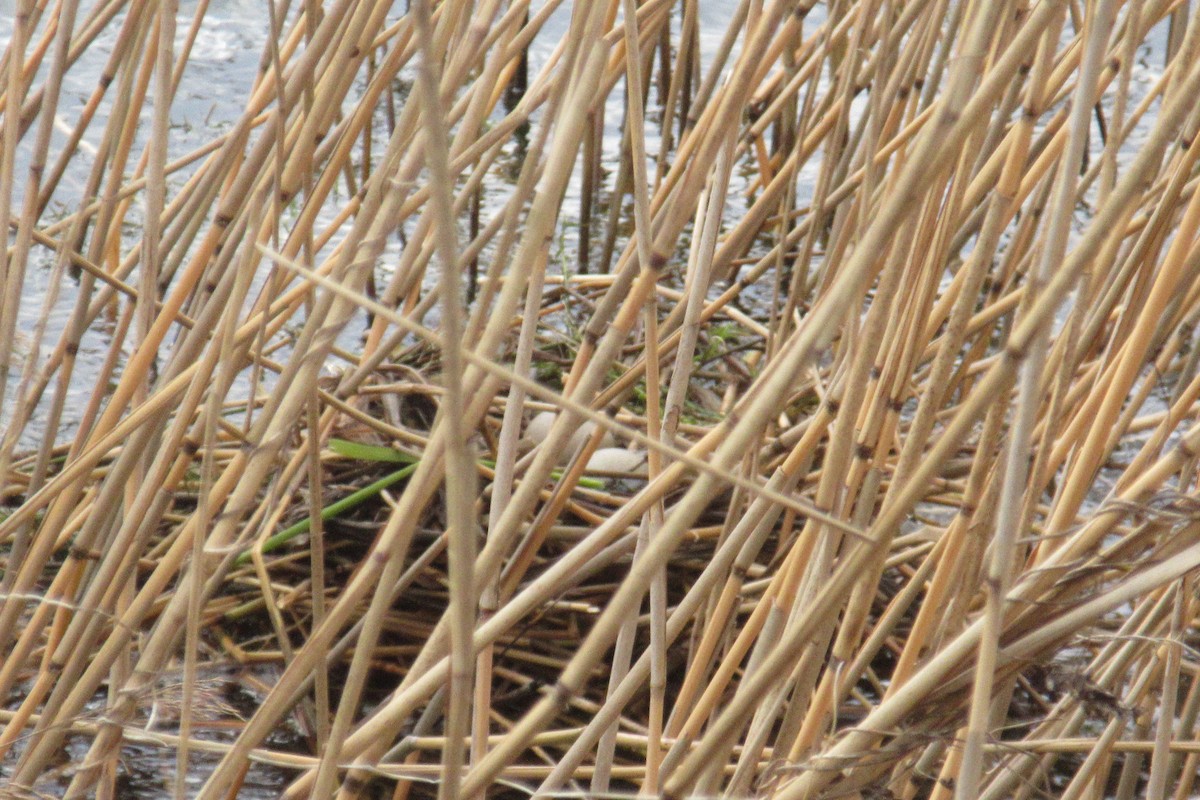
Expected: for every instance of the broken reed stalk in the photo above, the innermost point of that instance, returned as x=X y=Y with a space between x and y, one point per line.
x=895 y=346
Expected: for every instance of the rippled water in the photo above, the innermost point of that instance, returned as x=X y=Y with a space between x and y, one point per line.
x=221 y=69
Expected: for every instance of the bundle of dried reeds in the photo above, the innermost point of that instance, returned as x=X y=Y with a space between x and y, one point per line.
x=743 y=398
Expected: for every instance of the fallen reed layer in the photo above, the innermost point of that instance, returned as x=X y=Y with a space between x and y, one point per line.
x=571 y=398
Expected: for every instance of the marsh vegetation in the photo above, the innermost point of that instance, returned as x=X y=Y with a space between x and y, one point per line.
x=746 y=398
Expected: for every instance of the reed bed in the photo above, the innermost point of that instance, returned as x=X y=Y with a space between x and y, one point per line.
x=797 y=401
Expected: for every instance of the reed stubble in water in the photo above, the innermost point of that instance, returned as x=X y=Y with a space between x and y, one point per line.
x=892 y=305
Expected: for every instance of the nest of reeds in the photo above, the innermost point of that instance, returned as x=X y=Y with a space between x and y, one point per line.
x=599 y=399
